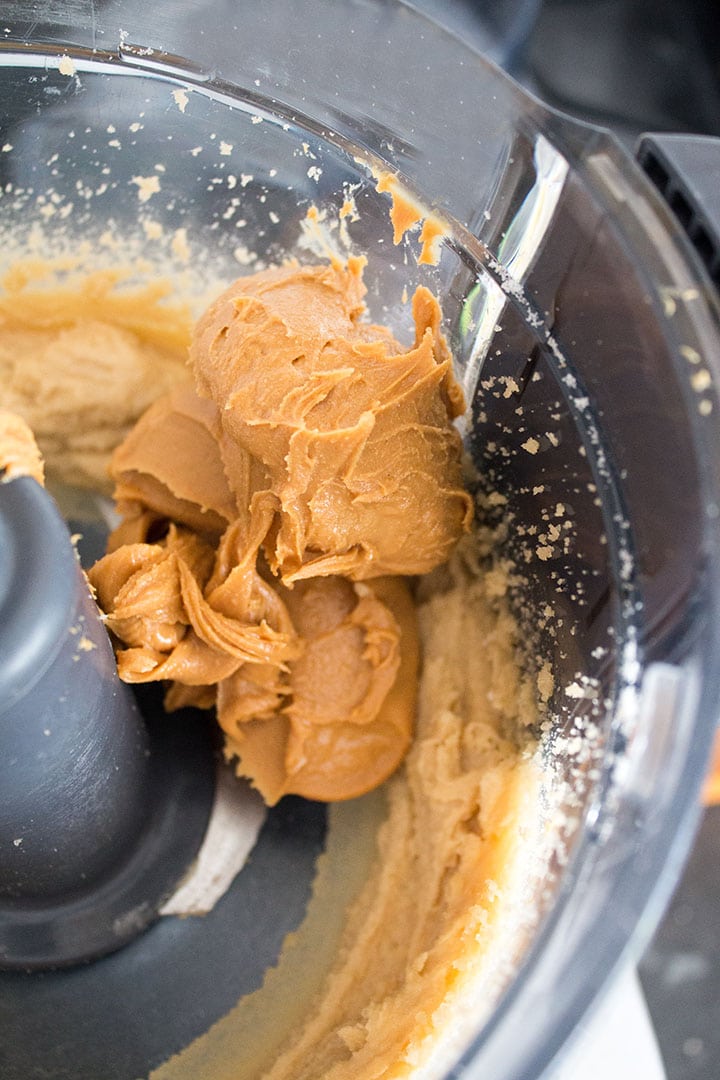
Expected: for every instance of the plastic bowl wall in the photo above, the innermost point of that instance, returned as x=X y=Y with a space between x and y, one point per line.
x=585 y=336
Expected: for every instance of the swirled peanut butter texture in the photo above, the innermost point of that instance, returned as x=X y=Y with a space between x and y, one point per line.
x=270 y=518
x=352 y=430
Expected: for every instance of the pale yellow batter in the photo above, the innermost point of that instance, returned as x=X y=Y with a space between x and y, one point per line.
x=436 y=927
x=82 y=356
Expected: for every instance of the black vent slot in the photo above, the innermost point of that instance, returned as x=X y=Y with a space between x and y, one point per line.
x=686 y=171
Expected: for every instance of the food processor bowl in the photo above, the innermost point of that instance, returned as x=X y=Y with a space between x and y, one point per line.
x=585 y=334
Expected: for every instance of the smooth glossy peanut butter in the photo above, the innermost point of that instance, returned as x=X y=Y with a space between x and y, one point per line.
x=269 y=518
x=352 y=429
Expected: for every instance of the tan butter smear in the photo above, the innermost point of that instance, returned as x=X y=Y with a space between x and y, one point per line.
x=270 y=517
x=19 y=453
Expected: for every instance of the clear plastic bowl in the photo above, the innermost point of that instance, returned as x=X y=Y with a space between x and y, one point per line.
x=584 y=331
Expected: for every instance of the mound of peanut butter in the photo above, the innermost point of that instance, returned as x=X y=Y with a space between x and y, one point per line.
x=273 y=514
